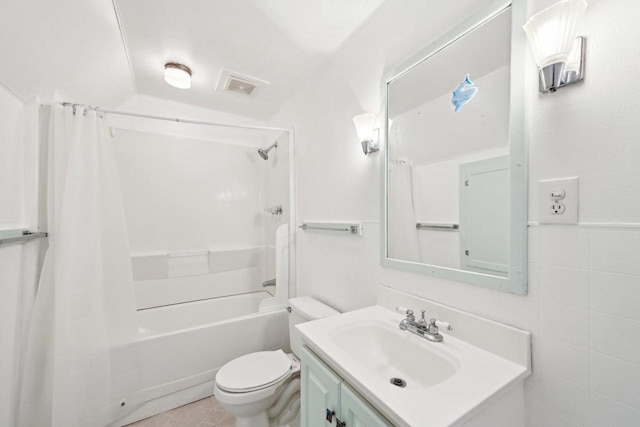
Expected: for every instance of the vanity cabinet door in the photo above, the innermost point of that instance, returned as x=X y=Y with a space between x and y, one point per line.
x=357 y=412
x=320 y=392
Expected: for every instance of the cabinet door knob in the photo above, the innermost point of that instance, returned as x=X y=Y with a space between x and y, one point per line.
x=340 y=423
x=330 y=415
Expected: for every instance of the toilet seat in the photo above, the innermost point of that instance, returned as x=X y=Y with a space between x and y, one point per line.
x=255 y=371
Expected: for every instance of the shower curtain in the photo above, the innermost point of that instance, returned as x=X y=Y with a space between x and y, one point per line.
x=403 y=236
x=85 y=307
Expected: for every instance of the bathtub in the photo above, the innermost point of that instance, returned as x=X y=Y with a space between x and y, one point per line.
x=181 y=347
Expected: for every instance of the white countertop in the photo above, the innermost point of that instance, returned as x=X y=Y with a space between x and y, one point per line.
x=480 y=374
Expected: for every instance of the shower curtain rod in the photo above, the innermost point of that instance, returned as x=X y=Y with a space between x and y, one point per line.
x=172 y=119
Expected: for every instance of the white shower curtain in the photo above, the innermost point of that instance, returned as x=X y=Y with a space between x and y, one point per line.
x=402 y=240
x=85 y=306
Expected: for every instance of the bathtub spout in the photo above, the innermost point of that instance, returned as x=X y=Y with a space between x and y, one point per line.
x=271 y=282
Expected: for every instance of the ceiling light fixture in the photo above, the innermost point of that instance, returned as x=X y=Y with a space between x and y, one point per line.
x=177 y=75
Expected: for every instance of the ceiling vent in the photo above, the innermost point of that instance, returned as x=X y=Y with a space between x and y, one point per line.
x=232 y=81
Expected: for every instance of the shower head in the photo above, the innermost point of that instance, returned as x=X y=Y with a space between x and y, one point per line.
x=264 y=152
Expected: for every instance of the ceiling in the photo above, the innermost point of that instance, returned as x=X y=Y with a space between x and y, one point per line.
x=86 y=50
x=72 y=46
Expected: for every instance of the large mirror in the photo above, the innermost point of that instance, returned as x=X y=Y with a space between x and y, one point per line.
x=455 y=170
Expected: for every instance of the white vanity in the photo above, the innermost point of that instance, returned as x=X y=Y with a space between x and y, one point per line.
x=361 y=369
x=328 y=398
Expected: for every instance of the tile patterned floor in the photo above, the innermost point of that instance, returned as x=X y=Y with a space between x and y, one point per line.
x=207 y=412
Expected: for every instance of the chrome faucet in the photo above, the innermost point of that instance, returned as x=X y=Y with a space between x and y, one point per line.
x=428 y=330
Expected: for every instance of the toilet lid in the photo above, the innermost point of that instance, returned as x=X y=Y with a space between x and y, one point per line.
x=253 y=371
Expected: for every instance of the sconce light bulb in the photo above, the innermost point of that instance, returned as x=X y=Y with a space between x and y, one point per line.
x=366 y=126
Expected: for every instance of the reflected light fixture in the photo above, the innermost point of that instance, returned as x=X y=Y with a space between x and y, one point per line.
x=177 y=75
x=558 y=51
x=368 y=133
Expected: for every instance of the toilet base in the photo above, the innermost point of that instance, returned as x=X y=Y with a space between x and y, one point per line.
x=280 y=408
x=258 y=420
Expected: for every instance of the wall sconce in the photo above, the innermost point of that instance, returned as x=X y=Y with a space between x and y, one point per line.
x=368 y=132
x=558 y=51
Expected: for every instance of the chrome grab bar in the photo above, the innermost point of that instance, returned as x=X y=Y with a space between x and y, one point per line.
x=436 y=226
x=348 y=227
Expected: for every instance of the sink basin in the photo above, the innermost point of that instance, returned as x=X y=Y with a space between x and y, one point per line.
x=367 y=349
x=390 y=354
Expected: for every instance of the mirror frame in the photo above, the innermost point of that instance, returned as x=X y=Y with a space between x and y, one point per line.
x=516 y=281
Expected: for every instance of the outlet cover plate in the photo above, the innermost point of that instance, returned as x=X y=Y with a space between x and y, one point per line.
x=546 y=213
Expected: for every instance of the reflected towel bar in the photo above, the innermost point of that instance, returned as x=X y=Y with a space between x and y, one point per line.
x=351 y=228
x=17 y=236
x=436 y=226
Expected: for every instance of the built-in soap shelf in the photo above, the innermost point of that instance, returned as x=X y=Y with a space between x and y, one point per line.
x=163 y=265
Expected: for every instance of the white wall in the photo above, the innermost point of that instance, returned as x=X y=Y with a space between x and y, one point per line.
x=583 y=305
x=18 y=262
x=11 y=161
x=11 y=208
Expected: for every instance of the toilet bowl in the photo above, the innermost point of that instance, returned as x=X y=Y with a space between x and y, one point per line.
x=262 y=389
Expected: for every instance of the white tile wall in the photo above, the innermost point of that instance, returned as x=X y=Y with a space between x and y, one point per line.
x=588 y=347
x=562 y=285
x=608 y=412
x=560 y=246
x=615 y=294
x=616 y=379
x=559 y=395
x=586 y=332
x=565 y=323
x=615 y=336
x=562 y=359
x=539 y=415
x=615 y=251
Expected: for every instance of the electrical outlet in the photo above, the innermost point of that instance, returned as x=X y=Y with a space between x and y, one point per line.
x=557 y=208
x=558 y=201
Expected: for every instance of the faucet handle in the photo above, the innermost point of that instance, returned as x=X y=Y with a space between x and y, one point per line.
x=440 y=324
x=403 y=309
x=406 y=311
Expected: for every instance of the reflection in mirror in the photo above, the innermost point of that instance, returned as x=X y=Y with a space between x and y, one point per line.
x=448 y=155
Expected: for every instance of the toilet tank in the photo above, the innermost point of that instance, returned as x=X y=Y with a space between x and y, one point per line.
x=305 y=309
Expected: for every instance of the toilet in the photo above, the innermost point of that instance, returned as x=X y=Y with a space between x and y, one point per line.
x=262 y=389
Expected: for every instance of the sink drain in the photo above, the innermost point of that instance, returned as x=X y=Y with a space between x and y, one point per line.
x=398 y=382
